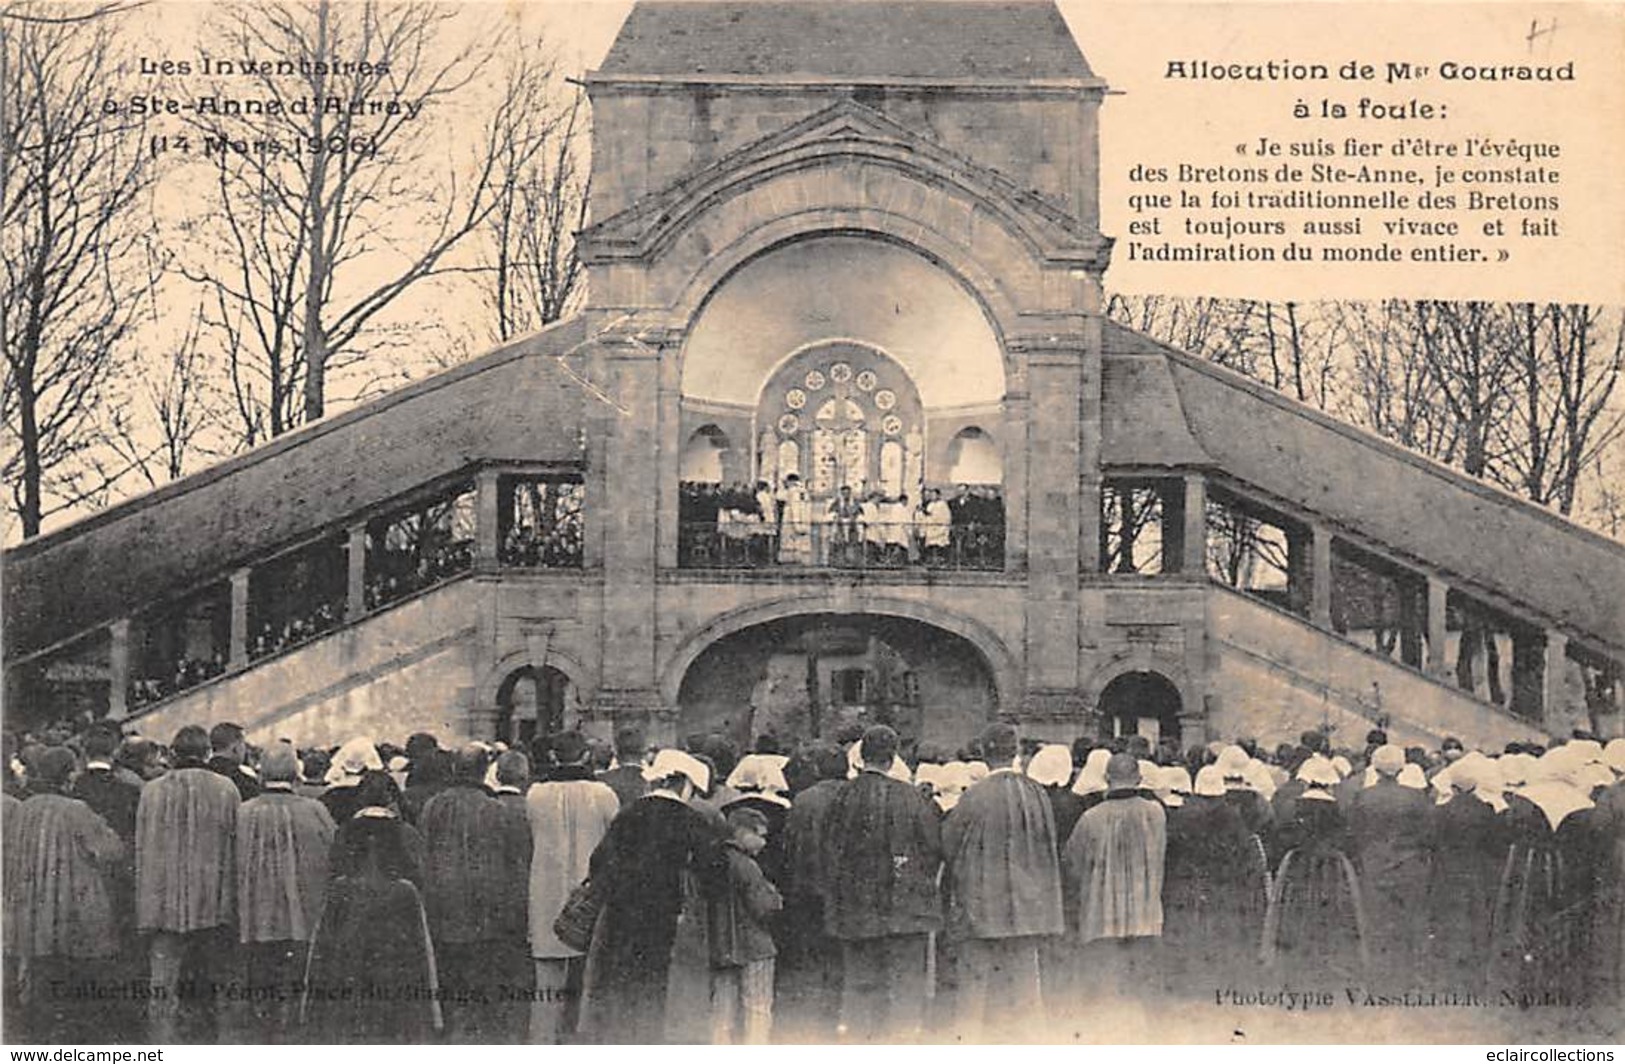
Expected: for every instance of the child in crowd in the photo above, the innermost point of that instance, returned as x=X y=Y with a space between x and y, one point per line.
x=742 y=947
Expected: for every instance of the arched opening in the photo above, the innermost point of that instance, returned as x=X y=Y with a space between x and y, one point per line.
x=532 y=701
x=822 y=675
x=703 y=455
x=973 y=458
x=836 y=286
x=1141 y=703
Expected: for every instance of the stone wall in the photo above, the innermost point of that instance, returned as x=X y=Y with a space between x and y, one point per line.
x=645 y=140
x=404 y=670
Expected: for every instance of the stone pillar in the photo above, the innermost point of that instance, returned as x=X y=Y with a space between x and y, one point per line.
x=1193 y=559
x=487 y=520
x=630 y=523
x=1554 y=711
x=1013 y=448
x=670 y=453
x=1089 y=444
x=237 y=655
x=118 y=668
x=355 y=602
x=1320 y=576
x=1055 y=508
x=1438 y=661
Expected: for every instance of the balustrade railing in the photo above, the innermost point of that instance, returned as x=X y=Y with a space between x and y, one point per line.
x=736 y=541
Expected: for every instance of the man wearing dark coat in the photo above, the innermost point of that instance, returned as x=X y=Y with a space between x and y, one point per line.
x=648 y=971
x=1391 y=827
x=476 y=893
x=998 y=845
x=810 y=961
x=58 y=902
x=626 y=778
x=371 y=976
x=1469 y=847
x=228 y=752
x=102 y=788
x=115 y=797
x=882 y=850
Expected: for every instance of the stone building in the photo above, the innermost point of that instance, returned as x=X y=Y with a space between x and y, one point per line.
x=860 y=244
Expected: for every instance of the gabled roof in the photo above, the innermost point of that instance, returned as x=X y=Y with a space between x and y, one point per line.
x=1402 y=500
x=1141 y=420
x=1016 y=40
x=850 y=130
x=515 y=402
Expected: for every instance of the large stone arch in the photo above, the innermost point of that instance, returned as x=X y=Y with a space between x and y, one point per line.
x=1000 y=661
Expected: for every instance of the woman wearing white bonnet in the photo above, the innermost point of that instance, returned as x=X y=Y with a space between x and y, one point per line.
x=350 y=765
x=953 y=781
x=1051 y=768
x=1613 y=755
x=1091 y=781
x=1209 y=782
x=1538 y=948
x=1469 y=848
x=1413 y=777
x=1315 y=930
x=1214 y=887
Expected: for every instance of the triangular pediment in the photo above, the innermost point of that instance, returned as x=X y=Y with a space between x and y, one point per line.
x=846 y=132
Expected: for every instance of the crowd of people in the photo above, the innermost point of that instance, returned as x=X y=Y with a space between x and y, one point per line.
x=854 y=890
x=738 y=525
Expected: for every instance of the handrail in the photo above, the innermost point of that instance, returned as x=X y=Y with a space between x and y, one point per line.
x=746 y=541
x=1344 y=642
x=230 y=672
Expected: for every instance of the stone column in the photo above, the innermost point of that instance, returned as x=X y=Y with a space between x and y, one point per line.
x=1320 y=576
x=668 y=463
x=1554 y=712
x=487 y=520
x=118 y=668
x=630 y=521
x=1090 y=478
x=1193 y=560
x=1013 y=448
x=355 y=602
x=237 y=655
x=1438 y=660
x=1055 y=507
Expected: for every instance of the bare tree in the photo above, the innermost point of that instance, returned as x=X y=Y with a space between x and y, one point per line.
x=1569 y=360
x=74 y=178
x=164 y=417
x=325 y=214
x=533 y=272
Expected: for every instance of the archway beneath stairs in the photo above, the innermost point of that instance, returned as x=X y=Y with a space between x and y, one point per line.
x=821 y=675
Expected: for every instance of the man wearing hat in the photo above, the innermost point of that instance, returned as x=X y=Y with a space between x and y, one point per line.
x=1114 y=866
x=475 y=891
x=656 y=864
x=59 y=860
x=1392 y=828
x=999 y=848
x=882 y=849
